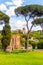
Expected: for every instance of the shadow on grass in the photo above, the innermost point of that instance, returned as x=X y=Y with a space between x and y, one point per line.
x=18 y=51
x=14 y=52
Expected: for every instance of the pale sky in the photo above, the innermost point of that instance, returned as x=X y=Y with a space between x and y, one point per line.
x=8 y=7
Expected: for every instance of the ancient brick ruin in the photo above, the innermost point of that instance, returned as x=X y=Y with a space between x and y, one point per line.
x=15 y=43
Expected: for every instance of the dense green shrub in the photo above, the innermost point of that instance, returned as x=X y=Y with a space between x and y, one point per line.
x=22 y=40
x=40 y=44
x=34 y=44
x=0 y=41
x=6 y=33
x=0 y=45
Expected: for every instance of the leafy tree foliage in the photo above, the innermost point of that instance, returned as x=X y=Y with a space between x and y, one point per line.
x=38 y=36
x=6 y=33
x=38 y=21
x=29 y=11
x=6 y=36
x=4 y=17
x=24 y=40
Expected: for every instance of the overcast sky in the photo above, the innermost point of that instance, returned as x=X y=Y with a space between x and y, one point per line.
x=8 y=7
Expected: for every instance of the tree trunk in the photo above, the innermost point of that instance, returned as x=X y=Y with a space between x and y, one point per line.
x=27 y=37
x=25 y=45
x=4 y=48
x=28 y=33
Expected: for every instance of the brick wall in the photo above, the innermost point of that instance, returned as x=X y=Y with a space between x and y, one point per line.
x=15 y=43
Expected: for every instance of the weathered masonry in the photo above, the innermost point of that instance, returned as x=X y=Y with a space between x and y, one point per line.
x=15 y=43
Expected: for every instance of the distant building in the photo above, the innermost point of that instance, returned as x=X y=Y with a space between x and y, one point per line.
x=19 y=30
x=24 y=30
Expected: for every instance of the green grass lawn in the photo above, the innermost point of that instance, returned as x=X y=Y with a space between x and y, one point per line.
x=21 y=58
